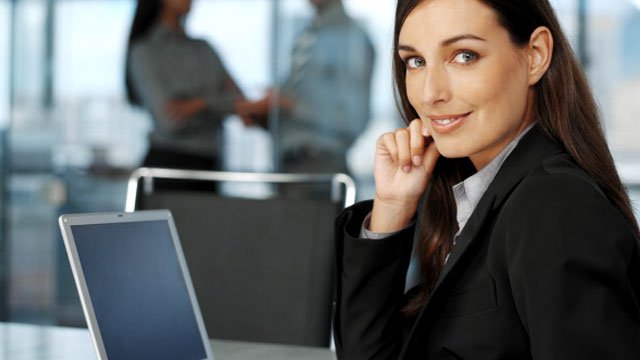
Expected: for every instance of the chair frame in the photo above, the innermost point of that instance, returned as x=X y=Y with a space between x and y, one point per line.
x=147 y=175
x=144 y=177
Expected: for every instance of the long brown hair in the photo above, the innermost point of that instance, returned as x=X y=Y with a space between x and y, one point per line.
x=146 y=15
x=564 y=108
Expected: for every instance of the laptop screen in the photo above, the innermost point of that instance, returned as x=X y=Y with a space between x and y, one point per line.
x=138 y=292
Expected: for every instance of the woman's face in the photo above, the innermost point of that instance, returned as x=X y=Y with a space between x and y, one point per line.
x=178 y=7
x=465 y=78
x=321 y=4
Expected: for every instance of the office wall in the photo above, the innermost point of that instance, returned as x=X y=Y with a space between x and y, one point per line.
x=5 y=31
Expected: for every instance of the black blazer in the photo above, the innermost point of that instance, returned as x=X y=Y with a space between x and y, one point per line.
x=545 y=268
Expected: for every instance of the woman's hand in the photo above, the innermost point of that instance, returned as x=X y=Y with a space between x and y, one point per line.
x=404 y=162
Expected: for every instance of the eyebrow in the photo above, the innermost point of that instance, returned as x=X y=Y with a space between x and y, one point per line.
x=446 y=42
x=455 y=39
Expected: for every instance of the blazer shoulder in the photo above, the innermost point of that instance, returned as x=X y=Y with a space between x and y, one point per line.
x=563 y=164
x=557 y=180
x=559 y=203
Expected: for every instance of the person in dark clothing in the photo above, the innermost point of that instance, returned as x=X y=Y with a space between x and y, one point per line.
x=184 y=84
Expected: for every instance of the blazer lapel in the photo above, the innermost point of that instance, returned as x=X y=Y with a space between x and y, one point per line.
x=534 y=146
x=530 y=150
x=467 y=236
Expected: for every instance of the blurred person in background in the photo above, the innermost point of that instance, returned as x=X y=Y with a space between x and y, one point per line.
x=182 y=82
x=325 y=100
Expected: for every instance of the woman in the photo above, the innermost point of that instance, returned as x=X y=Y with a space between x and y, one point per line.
x=182 y=82
x=527 y=241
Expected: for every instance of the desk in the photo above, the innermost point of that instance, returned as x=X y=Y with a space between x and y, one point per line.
x=34 y=342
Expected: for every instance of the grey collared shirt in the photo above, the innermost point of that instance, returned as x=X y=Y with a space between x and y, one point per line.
x=468 y=193
x=168 y=65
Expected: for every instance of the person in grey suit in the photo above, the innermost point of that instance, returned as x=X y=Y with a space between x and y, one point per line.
x=182 y=82
x=325 y=100
x=527 y=242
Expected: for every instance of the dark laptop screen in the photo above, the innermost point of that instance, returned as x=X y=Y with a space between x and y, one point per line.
x=139 y=295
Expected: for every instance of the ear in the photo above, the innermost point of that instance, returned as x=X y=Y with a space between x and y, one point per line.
x=539 y=53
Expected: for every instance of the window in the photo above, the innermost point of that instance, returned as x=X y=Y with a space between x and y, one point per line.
x=613 y=34
x=5 y=32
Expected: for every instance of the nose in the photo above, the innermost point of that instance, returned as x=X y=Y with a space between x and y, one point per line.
x=435 y=88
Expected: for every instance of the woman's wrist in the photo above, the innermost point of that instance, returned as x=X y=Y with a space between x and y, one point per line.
x=391 y=216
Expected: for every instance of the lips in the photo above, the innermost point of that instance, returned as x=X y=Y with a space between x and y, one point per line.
x=443 y=124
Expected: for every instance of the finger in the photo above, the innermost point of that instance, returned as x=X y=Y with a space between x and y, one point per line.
x=404 y=150
x=426 y=132
x=416 y=142
x=388 y=143
x=431 y=156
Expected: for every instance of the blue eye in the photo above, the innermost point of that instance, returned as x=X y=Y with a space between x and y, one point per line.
x=465 y=57
x=414 y=62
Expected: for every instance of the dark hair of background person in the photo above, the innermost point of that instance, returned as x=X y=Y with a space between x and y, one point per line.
x=146 y=15
x=564 y=108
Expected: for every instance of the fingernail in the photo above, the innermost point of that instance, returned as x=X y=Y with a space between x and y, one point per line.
x=407 y=168
x=417 y=160
x=425 y=131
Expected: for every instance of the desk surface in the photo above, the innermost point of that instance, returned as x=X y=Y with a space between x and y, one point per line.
x=32 y=342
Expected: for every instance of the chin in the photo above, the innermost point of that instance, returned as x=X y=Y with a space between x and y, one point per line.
x=451 y=151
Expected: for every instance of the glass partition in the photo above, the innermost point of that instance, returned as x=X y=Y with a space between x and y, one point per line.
x=74 y=138
x=5 y=81
x=614 y=73
x=5 y=40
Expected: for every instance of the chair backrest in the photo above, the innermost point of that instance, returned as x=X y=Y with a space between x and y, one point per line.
x=262 y=269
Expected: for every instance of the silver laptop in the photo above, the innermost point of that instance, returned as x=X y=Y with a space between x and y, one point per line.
x=134 y=286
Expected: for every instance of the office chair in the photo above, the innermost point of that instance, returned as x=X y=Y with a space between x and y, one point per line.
x=263 y=269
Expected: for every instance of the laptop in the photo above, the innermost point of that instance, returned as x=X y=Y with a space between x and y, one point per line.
x=134 y=286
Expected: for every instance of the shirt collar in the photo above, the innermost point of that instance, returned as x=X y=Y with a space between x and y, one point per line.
x=160 y=31
x=333 y=13
x=468 y=193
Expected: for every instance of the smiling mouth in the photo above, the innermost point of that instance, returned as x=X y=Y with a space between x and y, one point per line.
x=447 y=123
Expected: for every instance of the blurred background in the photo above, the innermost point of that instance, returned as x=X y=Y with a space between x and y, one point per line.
x=69 y=139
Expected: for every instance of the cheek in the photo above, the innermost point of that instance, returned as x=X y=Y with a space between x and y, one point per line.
x=503 y=91
x=178 y=5
x=412 y=92
x=512 y=100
